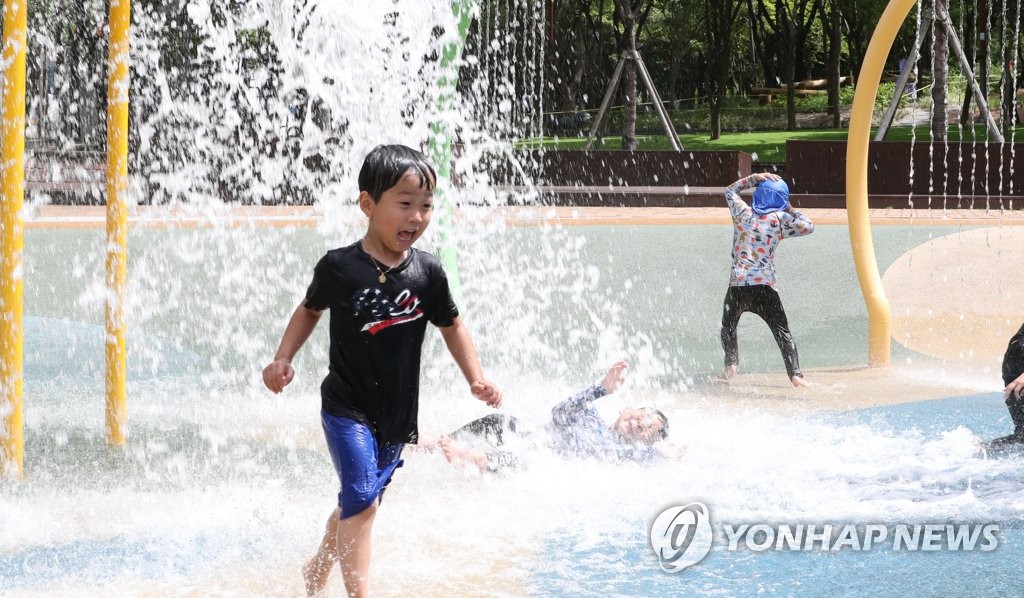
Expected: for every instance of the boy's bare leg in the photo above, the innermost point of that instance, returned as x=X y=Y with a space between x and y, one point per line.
x=354 y=543
x=318 y=569
x=799 y=382
x=729 y=372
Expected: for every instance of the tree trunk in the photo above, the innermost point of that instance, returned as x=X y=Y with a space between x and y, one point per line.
x=968 y=43
x=716 y=118
x=1008 y=114
x=940 y=73
x=855 y=37
x=719 y=18
x=789 y=30
x=628 y=74
x=576 y=82
x=674 y=68
x=762 y=43
x=835 y=43
x=755 y=54
x=983 y=59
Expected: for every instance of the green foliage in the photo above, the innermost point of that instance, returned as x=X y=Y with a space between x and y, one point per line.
x=884 y=96
x=767 y=146
x=259 y=61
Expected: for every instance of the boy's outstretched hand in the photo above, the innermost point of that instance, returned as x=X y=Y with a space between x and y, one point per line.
x=277 y=375
x=486 y=391
x=615 y=377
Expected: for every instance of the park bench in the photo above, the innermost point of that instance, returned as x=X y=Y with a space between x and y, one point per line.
x=801 y=88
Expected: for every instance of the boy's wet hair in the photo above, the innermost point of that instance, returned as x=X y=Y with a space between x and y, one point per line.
x=385 y=165
x=663 y=432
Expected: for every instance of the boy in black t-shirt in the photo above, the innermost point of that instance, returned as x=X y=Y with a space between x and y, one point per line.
x=1013 y=392
x=381 y=292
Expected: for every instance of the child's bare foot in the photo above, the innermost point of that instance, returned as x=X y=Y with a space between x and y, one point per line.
x=453 y=451
x=316 y=573
x=728 y=373
x=449 y=447
x=425 y=444
x=799 y=382
x=458 y=455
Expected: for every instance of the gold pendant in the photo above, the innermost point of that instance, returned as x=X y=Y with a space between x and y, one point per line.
x=382 y=279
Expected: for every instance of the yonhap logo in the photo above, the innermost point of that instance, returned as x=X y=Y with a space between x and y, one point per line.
x=681 y=536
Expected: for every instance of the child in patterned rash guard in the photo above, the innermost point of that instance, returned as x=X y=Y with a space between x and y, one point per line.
x=757 y=231
x=637 y=435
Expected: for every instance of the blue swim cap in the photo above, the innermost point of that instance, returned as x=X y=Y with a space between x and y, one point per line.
x=771 y=196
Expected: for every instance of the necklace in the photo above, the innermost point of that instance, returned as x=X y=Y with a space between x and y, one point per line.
x=382 y=278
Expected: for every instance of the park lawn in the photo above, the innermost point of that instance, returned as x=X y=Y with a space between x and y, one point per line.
x=764 y=146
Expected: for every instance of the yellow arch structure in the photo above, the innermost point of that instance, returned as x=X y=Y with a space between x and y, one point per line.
x=879 y=312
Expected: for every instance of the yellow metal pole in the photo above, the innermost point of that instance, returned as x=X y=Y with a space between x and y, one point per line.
x=12 y=182
x=879 y=313
x=118 y=81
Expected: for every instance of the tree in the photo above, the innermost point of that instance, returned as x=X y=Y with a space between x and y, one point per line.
x=719 y=20
x=632 y=14
x=835 y=48
x=969 y=49
x=940 y=71
x=1010 y=52
x=761 y=40
x=794 y=18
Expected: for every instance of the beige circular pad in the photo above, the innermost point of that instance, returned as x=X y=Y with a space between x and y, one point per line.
x=959 y=297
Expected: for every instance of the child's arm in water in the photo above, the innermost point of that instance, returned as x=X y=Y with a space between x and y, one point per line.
x=460 y=345
x=670 y=450
x=279 y=373
x=576 y=407
x=567 y=413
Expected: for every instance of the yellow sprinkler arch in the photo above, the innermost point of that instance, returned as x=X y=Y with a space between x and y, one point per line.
x=879 y=312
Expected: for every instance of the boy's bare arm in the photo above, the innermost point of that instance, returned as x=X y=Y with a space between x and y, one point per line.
x=279 y=373
x=460 y=345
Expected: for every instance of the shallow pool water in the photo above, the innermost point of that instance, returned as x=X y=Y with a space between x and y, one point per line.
x=223 y=488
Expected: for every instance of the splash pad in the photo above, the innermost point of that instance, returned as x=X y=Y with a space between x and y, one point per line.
x=222 y=488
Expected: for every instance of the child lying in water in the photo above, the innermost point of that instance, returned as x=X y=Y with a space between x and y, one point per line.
x=638 y=434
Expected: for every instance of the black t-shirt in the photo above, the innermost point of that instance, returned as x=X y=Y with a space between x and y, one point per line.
x=1013 y=359
x=377 y=333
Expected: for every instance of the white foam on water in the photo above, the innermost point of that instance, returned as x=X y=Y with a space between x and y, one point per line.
x=203 y=517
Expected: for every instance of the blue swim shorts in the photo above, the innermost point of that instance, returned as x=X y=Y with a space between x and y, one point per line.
x=364 y=466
